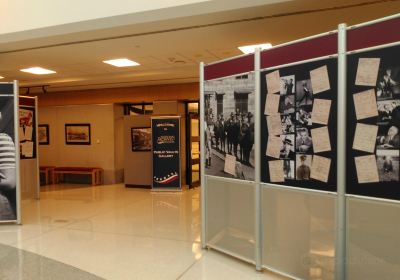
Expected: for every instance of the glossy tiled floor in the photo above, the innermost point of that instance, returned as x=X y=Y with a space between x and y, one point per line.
x=118 y=233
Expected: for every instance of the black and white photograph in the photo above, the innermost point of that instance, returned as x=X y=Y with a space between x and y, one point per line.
x=303 y=166
x=287 y=104
x=304 y=143
x=303 y=116
x=288 y=85
x=388 y=111
x=388 y=84
x=304 y=93
x=388 y=137
x=141 y=139
x=287 y=147
x=289 y=169
x=388 y=165
x=288 y=123
x=8 y=210
x=229 y=118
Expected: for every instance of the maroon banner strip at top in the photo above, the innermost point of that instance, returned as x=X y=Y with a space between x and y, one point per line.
x=376 y=34
x=303 y=50
x=231 y=67
x=26 y=101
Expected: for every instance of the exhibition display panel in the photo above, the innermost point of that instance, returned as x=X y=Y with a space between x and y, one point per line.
x=10 y=190
x=228 y=156
x=28 y=142
x=299 y=94
x=325 y=155
x=372 y=187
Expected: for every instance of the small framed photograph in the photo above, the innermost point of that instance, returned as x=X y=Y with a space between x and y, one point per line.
x=77 y=134
x=141 y=139
x=44 y=134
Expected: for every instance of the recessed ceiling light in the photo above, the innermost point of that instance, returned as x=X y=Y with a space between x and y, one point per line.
x=38 y=71
x=1 y=77
x=121 y=62
x=252 y=48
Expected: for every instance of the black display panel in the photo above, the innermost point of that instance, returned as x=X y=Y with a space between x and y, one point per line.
x=27 y=132
x=166 y=153
x=303 y=144
x=373 y=108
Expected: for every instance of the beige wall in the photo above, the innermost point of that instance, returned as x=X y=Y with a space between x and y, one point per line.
x=101 y=152
x=137 y=164
x=174 y=92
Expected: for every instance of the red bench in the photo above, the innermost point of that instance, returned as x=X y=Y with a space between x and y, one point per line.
x=95 y=172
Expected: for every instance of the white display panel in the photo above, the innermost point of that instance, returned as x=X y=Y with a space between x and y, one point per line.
x=230 y=217
x=299 y=232
x=373 y=240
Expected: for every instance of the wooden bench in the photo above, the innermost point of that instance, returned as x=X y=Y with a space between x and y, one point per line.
x=48 y=172
x=95 y=172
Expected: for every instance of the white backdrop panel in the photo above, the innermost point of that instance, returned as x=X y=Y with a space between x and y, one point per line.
x=299 y=232
x=230 y=216
x=373 y=239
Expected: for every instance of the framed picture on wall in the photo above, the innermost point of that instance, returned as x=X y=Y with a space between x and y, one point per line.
x=77 y=134
x=141 y=139
x=44 y=134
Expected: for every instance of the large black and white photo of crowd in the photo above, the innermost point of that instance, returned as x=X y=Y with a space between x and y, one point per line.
x=229 y=127
x=8 y=202
x=388 y=138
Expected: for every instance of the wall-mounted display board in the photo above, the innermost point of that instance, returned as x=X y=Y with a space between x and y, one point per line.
x=229 y=127
x=166 y=173
x=27 y=131
x=298 y=127
x=373 y=131
x=9 y=159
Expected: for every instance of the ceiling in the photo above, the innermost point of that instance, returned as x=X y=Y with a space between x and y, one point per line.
x=170 y=51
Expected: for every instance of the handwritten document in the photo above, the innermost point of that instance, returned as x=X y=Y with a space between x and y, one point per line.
x=276 y=174
x=320 y=137
x=367 y=169
x=367 y=71
x=365 y=104
x=272 y=104
x=274 y=124
x=320 y=79
x=274 y=146
x=320 y=112
x=230 y=165
x=320 y=168
x=273 y=82
x=365 y=137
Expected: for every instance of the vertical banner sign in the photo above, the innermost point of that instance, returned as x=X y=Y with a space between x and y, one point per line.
x=166 y=152
x=8 y=177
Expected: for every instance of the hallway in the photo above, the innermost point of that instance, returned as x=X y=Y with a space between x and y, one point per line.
x=114 y=233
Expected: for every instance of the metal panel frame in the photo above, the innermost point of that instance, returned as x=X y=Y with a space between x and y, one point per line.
x=17 y=152
x=257 y=162
x=340 y=252
x=203 y=181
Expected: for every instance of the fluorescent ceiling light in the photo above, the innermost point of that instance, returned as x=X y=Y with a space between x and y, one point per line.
x=121 y=62
x=38 y=71
x=252 y=48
